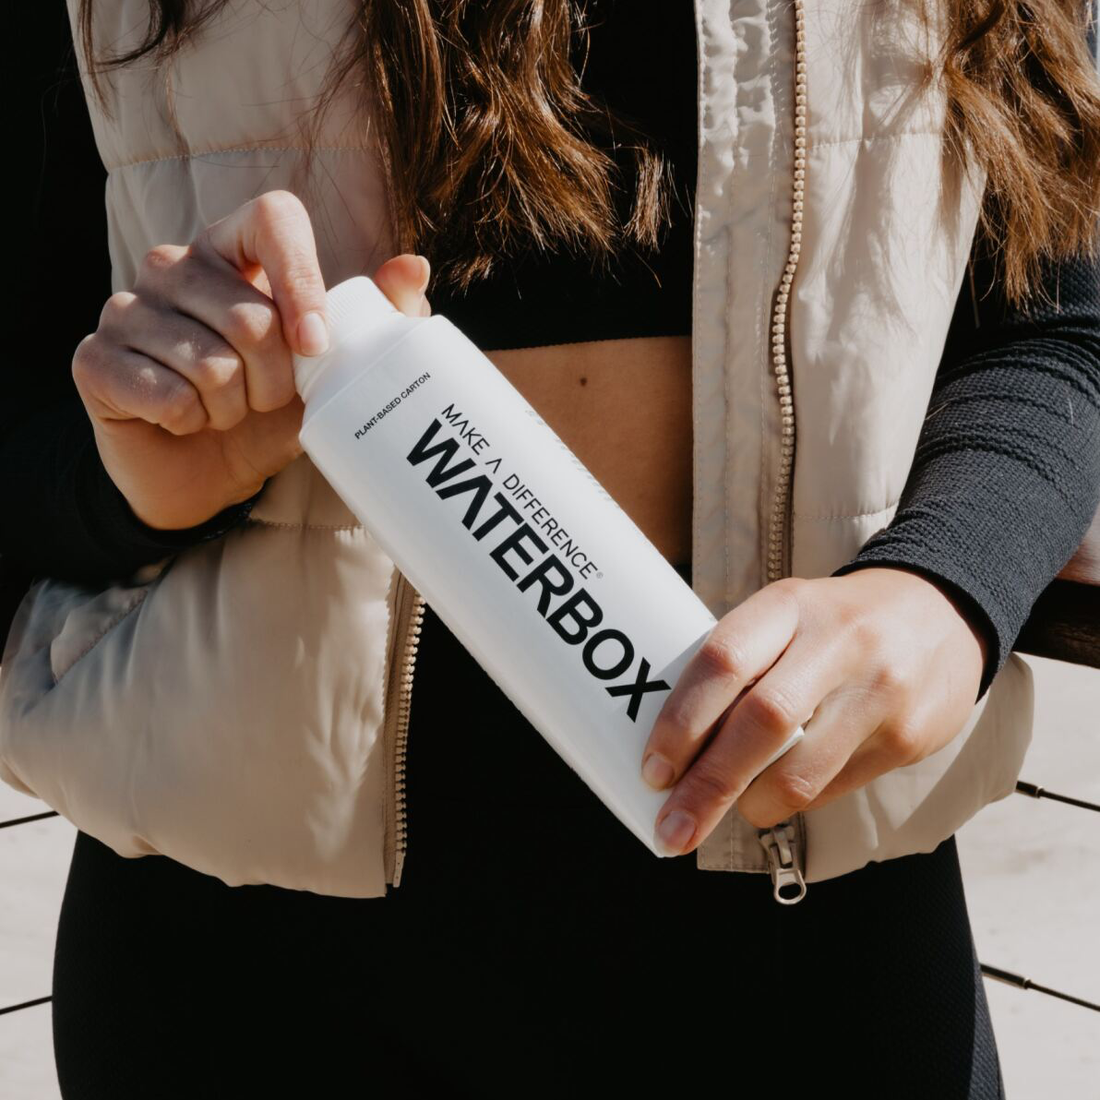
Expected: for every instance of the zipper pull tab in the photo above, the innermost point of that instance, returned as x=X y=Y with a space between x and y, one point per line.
x=784 y=851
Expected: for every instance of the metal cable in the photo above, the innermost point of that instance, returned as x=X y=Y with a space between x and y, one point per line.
x=33 y=817
x=1031 y=789
x=995 y=972
x=1035 y=791
x=1009 y=978
x=25 y=1004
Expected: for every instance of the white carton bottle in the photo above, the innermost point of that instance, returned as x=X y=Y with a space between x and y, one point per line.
x=519 y=550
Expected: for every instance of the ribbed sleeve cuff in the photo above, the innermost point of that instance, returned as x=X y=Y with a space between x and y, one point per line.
x=952 y=581
x=998 y=552
x=65 y=517
x=125 y=538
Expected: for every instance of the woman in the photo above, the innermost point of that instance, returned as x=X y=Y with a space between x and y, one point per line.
x=554 y=962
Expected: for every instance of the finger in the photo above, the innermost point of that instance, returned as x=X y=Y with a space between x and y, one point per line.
x=119 y=384
x=404 y=280
x=200 y=284
x=899 y=738
x=184 y=345
x=837 y=731
x=743 y=645
x=274 y=231
x=867 y=762
x=756 y=728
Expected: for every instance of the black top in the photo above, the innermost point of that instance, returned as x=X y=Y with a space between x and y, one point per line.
x=1004 y=483
x=560 y=297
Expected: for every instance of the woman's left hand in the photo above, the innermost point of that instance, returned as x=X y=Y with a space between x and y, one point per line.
x=883 y=659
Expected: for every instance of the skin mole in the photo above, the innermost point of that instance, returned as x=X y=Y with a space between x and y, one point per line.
x=642 y=459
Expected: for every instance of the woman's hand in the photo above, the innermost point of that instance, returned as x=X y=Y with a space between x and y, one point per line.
x=883 y=660
x=188 y=379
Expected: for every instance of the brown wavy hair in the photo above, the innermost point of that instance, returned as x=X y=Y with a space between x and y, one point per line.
x=493 y=144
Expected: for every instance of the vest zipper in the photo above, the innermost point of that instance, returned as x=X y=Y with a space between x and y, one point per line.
x=783 y=845
x=782 y=842
x=408 y=616
x=778 y=530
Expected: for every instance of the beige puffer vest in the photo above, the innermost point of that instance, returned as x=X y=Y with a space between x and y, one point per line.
x=243 y=707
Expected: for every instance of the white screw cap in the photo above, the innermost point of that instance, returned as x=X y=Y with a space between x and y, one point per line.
x=349 y=306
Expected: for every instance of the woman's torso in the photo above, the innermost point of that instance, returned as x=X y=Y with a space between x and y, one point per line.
x=622 y=401
x=861 y=331
x=643 y=459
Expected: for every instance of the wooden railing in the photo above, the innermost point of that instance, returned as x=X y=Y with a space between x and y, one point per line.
x=1065 y=621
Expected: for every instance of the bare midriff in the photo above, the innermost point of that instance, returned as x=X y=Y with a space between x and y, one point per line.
x=624 y=408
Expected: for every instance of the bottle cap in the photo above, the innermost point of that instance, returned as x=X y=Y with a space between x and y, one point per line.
x=349 y=306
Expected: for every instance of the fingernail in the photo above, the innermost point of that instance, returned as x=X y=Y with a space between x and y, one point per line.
x=675 y=831
x=656 y=771
x=313 y=334
x=427 y=272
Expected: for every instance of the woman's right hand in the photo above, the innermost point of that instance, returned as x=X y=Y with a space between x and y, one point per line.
x=188 y=379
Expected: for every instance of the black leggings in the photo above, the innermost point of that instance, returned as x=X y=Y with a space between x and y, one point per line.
x=533 y=944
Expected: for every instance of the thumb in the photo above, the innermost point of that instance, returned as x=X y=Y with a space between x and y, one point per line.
x=404 y=279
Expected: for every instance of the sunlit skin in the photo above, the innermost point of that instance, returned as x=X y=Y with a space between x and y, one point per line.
x=188 y=383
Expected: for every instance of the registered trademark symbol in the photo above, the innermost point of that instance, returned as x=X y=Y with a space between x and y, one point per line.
x=599 y=574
